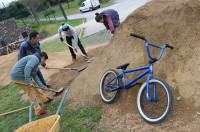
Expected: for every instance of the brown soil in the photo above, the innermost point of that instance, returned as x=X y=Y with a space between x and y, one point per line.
x=6 y=63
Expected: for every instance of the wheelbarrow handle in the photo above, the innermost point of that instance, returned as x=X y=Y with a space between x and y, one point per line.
x=62 y=101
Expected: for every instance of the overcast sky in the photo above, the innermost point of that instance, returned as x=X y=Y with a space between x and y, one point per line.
x=6 y=2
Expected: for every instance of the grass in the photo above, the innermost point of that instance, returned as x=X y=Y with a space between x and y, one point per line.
x=49 y=28
x=73 y=8
x=73 y=119
x=53 y=46
x=57 y=46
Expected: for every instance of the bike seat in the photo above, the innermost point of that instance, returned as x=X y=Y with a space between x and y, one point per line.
x=124 y=66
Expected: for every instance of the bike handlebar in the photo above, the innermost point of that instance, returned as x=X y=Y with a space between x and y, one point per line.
x=137 y=36
x=169 y=46
x=147 y=43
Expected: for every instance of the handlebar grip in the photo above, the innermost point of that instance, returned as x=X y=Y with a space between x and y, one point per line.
x=169 y=46
x=137 y=36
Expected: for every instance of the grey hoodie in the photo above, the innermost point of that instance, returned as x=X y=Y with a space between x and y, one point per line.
x=26 y=70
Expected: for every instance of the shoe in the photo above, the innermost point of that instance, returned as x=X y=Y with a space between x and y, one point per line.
x=48 y=100
x=86 y=58
x=48 y=86
x=42 y=112
x=73 y=60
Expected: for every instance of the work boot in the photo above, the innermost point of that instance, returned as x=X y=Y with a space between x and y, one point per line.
x=39 y=110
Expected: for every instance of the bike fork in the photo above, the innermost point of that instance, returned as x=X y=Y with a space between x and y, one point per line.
x=148 y=97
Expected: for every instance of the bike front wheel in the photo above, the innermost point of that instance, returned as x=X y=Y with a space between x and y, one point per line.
x=109 y=81
x=160 y=104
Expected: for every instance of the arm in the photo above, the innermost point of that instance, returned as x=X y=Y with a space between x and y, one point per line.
x=75 y=35
x=29 y=69
x=110 y=24
x=22 y=52
x=38 y=81
x=60 y=32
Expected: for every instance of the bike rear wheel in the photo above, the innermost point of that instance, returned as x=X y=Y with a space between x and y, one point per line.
x=107 y=95
x=156 y=110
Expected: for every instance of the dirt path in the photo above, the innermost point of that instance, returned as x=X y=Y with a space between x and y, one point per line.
x=58 y=59
x=6 y=63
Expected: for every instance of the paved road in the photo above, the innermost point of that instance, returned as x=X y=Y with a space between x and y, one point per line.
x=124 y=7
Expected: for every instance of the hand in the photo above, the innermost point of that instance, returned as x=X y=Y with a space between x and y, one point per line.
x=75 y=50
x=44 y=65
x=44 y=87
x=48 y=86
x=61 y=39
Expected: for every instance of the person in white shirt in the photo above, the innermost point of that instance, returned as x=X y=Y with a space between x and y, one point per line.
x=70 y=33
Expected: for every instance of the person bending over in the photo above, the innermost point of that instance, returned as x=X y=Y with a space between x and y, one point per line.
x=110 y=18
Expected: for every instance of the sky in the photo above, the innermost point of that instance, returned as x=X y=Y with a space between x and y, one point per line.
x=6 y=2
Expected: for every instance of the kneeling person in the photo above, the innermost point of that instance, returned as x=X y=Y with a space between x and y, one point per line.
x=22 y=74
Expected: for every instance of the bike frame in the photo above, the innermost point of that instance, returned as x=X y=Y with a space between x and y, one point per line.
x=127 y=84
x=147 y=71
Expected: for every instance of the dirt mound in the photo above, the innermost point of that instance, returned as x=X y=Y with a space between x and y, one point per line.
x=161 y=21
x=171 y=21
x=6 y=63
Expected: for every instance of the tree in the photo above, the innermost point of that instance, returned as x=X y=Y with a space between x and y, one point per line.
x=34 y=6
x=15 y=9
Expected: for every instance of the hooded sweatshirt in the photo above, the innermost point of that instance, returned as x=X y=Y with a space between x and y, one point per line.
x=26 y=69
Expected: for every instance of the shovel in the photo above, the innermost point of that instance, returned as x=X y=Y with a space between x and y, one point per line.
x=77 y=69
x=46 y=89
x=57 y=91
x=75 y=50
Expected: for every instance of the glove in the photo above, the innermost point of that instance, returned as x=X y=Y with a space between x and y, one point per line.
x=61 y=39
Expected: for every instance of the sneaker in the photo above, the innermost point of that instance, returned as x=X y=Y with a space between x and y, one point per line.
x=73 y=60
x=48 y=100
x=42 y=112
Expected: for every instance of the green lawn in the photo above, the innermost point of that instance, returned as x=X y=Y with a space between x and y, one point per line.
x=73 y=119
x=49 y=28
x=72 y=9
x=53 y=46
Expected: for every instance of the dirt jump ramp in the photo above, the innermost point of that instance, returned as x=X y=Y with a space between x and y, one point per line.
x=171 y=21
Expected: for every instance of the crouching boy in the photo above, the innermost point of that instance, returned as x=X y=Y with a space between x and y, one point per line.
x=24 y=72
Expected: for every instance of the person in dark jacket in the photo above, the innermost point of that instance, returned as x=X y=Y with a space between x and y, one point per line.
x=30 y=47
x=24 y=72
x=110 y=18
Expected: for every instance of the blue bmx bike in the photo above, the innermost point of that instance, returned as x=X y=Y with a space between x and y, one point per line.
x=154 y=98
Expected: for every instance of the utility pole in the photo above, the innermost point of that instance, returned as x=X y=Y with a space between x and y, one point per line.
x=62 y=10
